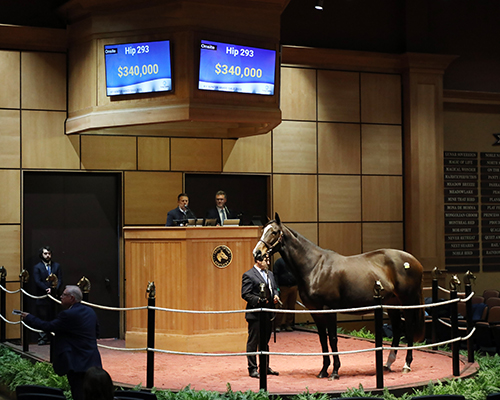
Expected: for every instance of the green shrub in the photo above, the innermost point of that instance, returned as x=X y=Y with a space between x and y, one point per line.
x=15 y=370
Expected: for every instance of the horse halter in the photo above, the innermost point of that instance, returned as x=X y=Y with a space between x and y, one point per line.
x=270 y=247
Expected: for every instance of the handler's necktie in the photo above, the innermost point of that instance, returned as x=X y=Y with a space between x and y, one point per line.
x=49 y=269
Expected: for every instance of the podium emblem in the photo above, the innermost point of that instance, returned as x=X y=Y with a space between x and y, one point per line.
x=222 y=256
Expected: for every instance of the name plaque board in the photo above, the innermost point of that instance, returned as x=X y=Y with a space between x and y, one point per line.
x=461 y=211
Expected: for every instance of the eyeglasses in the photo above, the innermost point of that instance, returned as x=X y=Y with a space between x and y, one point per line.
x=65 y=295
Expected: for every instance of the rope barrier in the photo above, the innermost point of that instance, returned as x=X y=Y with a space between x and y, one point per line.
x=33 y=296
x=9 y=291
x=269 y=310
x=9 y=322
x=121 y=348
x=114 y=308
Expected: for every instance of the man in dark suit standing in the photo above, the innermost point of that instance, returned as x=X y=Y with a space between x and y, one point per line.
x=41 y=272
x=181 y=212
x=220 y=212
x=258 y=289
x=75 y=342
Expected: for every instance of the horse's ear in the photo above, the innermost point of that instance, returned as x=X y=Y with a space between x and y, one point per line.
x=277 y=218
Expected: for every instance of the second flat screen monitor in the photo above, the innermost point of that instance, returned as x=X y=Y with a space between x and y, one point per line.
x=234 y=68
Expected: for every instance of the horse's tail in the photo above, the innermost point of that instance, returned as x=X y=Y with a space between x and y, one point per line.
x=419 y=321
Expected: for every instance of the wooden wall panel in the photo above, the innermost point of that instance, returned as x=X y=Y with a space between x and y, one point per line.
x=308 y=230
x=10 y=64
x=338 y=96
x=424 y=178
x=294 y=147
x=382 y=149
x=149 y=196
x=10 y=139
x=10 y=196
x=383 y=235
x=43 y=81
x=339 y=148
x=10 y=250
x=339 y=198
x=44 y=144
x=196 y=154
x=109 y=152
x=295 y=197
x=248 y=154
x=382 y=198
x=343 y=238
x=153 y=153
x=82 y=69
x=298 y=94
x=381 y=98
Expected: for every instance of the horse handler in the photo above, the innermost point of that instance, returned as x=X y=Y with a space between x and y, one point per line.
x=259 y=289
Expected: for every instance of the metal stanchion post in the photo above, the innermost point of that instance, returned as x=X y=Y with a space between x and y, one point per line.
x=455 y=346
x=84 y=285
x=263 y=358
x=379 y=334
x=435 y=298
x=150 y=367
x=25 y=340
x=3 y=307
x=468 y=310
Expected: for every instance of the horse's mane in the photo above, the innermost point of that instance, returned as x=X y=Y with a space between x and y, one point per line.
x=303 y=238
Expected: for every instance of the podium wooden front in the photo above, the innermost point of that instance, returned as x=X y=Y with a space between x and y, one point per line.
x=179 y=261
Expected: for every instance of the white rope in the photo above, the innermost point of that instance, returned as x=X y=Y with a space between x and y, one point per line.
x=8 y=291
x=181 y=353
x=9 y=322
x=114 y=308
x=33 y=296
x=121 y=348
x=33 y=329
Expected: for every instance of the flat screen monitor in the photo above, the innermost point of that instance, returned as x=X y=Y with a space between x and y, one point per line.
x=211 y=222
x=138 y=68
x=234 y=68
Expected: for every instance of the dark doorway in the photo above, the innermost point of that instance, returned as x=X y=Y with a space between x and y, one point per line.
x=78 y=216
x=247 y=195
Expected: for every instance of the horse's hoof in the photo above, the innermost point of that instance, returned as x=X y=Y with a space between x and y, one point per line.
x=387 y=368
x=406 y=370
x=323 y=374
x=334 y=377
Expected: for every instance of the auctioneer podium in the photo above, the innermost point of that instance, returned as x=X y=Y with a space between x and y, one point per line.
x=193 y=268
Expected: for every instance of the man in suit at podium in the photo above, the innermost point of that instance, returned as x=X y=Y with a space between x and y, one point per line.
x=220 y=212
x=259 y=289
x=181 y=212
x=41 y=272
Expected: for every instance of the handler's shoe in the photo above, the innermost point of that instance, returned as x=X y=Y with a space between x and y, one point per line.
x=271 y=372
x=253 y=373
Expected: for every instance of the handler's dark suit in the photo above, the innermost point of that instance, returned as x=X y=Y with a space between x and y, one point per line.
x=250 y=292
x=213 y=213
x=75 y=343
x=45 y=307
x=177 y=214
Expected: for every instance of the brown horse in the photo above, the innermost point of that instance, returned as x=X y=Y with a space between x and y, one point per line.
x=328 y=280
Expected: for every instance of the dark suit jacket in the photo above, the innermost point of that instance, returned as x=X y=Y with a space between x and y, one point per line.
x=213 y=213
x=74 y=343
x=40 y=275
x=250 y=291
x=176 y=213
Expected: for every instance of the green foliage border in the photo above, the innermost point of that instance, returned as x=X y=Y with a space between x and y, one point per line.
x=16 y=370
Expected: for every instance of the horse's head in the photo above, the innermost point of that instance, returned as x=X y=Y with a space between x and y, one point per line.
x=270 y=240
